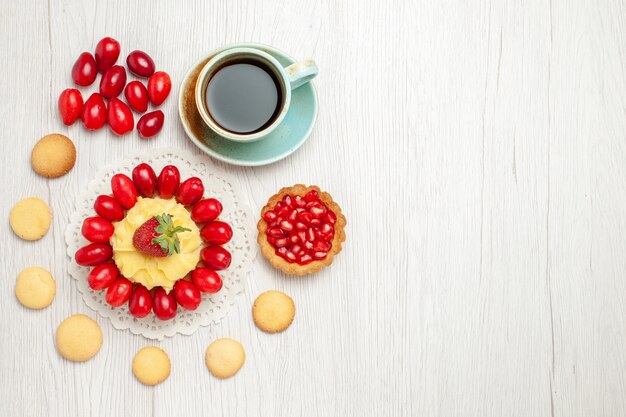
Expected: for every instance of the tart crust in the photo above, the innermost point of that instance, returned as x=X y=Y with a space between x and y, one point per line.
x=293 y=268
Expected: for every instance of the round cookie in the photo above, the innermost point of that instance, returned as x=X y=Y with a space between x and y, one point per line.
x=224 y=357
x=30 y=218
x=78 y=338
x=273 y=311
x=53 y=156
x=151 y=365
x=35 y=288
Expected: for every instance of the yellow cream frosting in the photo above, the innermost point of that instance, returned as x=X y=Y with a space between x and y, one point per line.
x=154 y=271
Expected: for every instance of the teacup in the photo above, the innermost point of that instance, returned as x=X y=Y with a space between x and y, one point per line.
x=243 y=94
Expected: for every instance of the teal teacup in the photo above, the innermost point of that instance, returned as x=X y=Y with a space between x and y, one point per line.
x=243 y=94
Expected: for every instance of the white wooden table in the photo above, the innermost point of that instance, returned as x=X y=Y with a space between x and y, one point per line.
x=478 y=149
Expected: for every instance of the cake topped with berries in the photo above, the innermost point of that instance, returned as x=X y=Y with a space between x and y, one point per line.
x=156 y=243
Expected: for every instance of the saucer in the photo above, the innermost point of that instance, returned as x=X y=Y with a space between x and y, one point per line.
x=282 y=142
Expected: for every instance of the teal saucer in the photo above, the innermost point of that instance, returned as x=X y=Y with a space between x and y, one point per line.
x=282 y=142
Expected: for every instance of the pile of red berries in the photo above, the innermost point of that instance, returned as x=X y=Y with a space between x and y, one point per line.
x=95 y=113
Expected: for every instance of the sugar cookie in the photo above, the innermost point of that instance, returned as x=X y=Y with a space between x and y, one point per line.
x=30 y=218
x=53 y=156
x=224 y=357
x=35 y=288
x=273 y=311
x=78 y=338
x=151 y=365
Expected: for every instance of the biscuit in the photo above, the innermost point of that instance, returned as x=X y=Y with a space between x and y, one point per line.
x=78 y=338
x=30 y=218
x=273 y=311
x=53 y=156
x=151 y=365
x=35 y=288
x=224 y=357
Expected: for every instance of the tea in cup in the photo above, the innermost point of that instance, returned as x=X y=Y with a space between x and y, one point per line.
x=243 y=94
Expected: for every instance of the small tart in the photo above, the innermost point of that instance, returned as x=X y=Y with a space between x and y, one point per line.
x=301 y=230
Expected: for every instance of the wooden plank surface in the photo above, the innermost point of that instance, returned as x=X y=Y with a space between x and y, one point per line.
x=478 y=150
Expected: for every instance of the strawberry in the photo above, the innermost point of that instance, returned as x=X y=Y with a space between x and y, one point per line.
x=158 y=236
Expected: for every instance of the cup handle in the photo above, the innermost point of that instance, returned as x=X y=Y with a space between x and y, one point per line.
x=301 y=73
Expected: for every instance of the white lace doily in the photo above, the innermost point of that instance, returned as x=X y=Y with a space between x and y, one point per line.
x=218 y=184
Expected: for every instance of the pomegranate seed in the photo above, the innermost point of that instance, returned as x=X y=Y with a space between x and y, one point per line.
x=301 y=226
x=284 y=212
x=282 y=242
x=326 y=228
x=286 y=226
x=310 y=235
x=294 y=239
x=329 y=237
x=296 y=248
x=311 y=196
x=325 y=232
x=278 y=206
x=282 y=252
x=302 y=236
x=299 y=201
x=308 y=245
x=320 y=246
x=269 y=216
x=318 y=211
x=293 y=215
x=331 y=217
x=319 y=255
x=305 y=259
x=272 y=240
x=274 y=232
x=305 y=217
x=315 y=222
x=287 y=201
x=291 y=257
x=311 y=204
